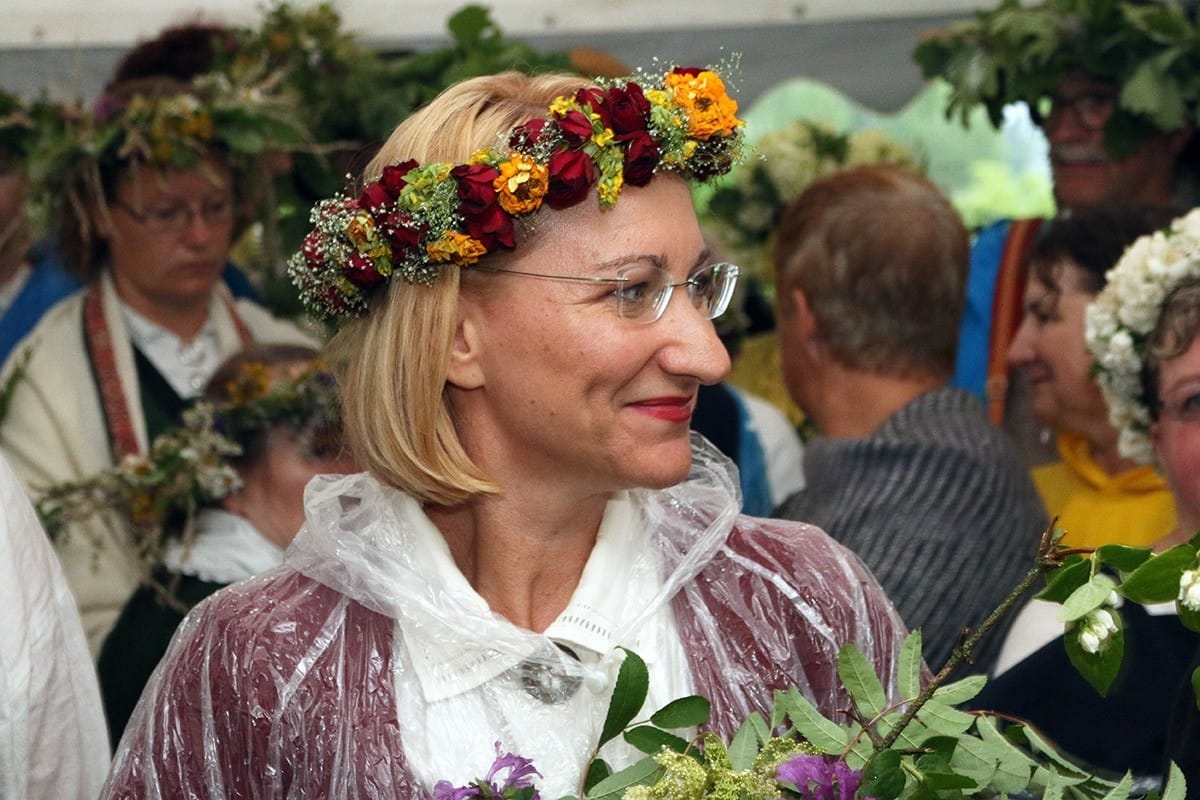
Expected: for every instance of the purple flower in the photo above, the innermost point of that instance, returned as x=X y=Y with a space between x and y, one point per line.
x=444 y=790
x=819 y=777
x=520 y=777
x=520 y=771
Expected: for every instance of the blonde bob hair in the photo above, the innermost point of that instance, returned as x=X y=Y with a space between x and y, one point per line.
x=393 y=361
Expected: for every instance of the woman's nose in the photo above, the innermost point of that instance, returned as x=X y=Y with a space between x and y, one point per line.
x=1020 y=350
x=693 y=348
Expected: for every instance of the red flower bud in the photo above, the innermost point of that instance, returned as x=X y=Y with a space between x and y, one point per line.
x=492 y=227
x=641 y=157
x=526 y=135
x=374 y=197
x=691 y=71
x=361 y=271
x=392 y=178
x=576 y=128
x=483 y=218
x=596 y=99
x=629 y=109
x=572 y=173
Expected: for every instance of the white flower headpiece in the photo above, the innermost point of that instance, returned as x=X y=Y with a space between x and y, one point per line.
x=1122 y=317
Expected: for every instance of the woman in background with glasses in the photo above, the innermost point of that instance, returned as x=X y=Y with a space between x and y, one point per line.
x=144 y=192
x=527 y=318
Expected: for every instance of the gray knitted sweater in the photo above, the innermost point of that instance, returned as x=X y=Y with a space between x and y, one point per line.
x=937 y=506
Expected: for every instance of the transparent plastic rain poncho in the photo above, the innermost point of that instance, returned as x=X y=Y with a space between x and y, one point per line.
x=324 y=678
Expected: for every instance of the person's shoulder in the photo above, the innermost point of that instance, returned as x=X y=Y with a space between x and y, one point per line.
x=786 y=546
x=61 y=326
x=280 y=608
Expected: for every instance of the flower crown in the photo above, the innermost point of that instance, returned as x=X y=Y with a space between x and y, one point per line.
x=416 y=218
x=189 y=467
x=1017 y=53
x=162 y=125
x=1122 y=317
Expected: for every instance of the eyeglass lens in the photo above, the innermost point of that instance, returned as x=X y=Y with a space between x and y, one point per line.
x=1091 y=109
x=645 y=291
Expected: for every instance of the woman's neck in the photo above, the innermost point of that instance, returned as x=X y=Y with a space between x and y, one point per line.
x=523 y=555
x=1102 y=444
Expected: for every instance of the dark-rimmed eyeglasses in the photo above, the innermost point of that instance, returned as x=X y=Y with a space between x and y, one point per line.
x=176 y=218
x=1091 y=110
x=643 y=291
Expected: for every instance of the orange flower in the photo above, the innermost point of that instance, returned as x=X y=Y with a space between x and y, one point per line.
x=521 y=184
x=456 y=247
x=709 y=108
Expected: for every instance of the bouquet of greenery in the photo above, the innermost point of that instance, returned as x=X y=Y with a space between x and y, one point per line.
x=925 y=746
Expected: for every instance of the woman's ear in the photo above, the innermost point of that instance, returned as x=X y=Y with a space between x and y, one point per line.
x=466 y=369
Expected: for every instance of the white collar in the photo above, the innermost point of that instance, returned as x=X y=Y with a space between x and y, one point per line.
x=186 y=365
x=226 y=549
x=587 y=625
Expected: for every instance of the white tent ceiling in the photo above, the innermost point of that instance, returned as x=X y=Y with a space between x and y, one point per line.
x=117 y=22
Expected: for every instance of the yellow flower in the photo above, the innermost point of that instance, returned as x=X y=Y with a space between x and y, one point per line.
x=522 y=184
x=603 y=138
x=608 y=189
x=709 y=108
x=562 y=105
x=456 y=247
x=361 y=230
x=199 y=126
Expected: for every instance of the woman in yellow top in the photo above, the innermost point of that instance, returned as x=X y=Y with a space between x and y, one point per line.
x=1098 y=495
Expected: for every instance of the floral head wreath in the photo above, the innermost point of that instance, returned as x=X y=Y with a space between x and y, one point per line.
x=1122 y=317
x=416 y=218
x=1021 y=53
x=189 y=467
x=163 y=126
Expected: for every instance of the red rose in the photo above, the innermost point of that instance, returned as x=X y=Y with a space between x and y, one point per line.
x=641 y=157
x=576 y=128
x=483 y=218
x=524 y=136
x=361 y=271
x=492 y=227
x=572 y=173
x=392 y=178
x=689 y=71
x=629 y=109
x=401 y=234
x=314 y=250
x=374 y=197
x=594 y=99
x=475 y=189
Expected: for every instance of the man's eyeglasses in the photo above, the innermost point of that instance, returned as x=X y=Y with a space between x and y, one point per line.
x=642 y=291
x=1091 y=109
x=176 y=218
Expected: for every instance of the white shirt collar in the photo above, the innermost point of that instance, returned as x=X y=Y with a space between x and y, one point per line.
x=587 y=625
x=185 y=365
x=226 y=549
